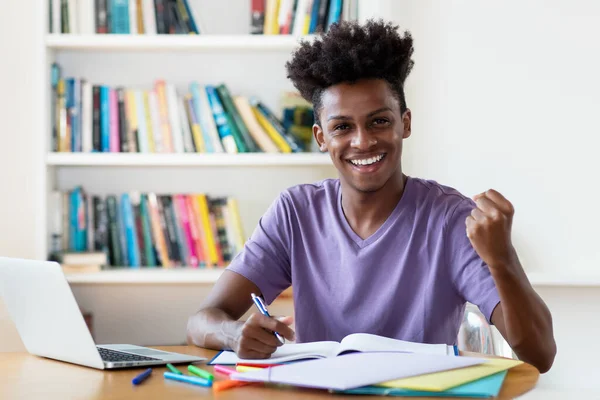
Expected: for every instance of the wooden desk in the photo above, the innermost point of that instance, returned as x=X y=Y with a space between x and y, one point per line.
x=23 y=376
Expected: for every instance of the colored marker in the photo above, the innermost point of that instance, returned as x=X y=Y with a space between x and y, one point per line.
x=188 y=379
x=173 y=369
x=229 y=384
x=241 y=368
x=141 y=377
x=254 y=365
x=200 y=372
x=224 y=370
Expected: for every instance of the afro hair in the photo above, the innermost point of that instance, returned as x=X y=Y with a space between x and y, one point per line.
x=349 y=52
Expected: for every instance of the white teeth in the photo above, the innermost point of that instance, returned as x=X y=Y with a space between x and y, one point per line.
x=367 y=161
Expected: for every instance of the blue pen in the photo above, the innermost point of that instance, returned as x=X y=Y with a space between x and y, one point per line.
x=263 y=310
x=141 y=377
x=194 y=380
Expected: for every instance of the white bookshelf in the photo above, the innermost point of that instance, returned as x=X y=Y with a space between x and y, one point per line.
x=173 y=276
x=250 y=65
x=174 y=43
x=187 y=159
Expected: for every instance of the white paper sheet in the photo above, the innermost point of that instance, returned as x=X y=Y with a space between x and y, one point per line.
x=356 y=369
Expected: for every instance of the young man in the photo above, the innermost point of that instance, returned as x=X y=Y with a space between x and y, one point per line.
x=374 y=251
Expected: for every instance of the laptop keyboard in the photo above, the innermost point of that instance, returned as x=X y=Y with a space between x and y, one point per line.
x=116 y=356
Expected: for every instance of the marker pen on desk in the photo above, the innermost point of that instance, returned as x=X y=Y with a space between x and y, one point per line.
x=174 y=370
x=224 y=370
x=194 y=380
x=141 y=377
x=263 y=310
x=200 y=372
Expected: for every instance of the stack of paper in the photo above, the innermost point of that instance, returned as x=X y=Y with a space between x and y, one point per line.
x=356 y=370
x=393 y=374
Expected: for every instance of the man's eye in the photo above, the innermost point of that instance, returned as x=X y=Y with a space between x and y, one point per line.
x=341 y=127
x=380 y=121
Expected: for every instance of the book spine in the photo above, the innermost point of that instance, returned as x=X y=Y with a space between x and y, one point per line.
x=133 y=22
x=147 y=232
x=96 y=137
x=195 y=230
x=203 y=120
x=149 y=16
x=207 y=229
x=158 y=234
x=235 y=119
x=101 y=225
x=163 y=110
x=292 y=142
x=229 y=142
x=87 y=118
x=123 y=123
x=187 y=230
x=188 y=140
x=130 y=231
x=116 y=252
x=160 y=7
x=142 y=135
x=197 y=136
x=104 y=119
x=148 y=119
x=155 y=117
x=101 y=16
x=191 y=22
x=258 y=133
x=131 y=111
x=119 y=16
x=173 y=116
x=114 y=141
x=174 y=254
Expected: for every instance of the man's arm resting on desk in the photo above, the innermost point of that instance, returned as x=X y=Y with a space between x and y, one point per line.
x=216 y=325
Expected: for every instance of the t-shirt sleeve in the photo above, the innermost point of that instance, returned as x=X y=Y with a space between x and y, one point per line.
x=471 y=275
x=265 y=257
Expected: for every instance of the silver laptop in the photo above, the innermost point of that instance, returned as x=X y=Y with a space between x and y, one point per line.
x=41 y=304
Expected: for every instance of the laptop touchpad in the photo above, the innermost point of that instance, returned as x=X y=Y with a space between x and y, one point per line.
x=145 y=352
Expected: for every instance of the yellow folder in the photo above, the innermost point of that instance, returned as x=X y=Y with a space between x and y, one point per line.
x=440 y=381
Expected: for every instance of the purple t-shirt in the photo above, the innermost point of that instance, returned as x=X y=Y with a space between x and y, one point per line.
x=409 y=280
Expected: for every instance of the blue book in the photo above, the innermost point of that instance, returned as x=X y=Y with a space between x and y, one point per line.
x=73 y=209
x=482 y=388
x=314 y=16
x=119 y=16
x=196 y=99
x=335 y=13
x=133 y=252
x=104 y=119
x=220 y=119
x=71 y=107
x=193 y=25
x=122 y=238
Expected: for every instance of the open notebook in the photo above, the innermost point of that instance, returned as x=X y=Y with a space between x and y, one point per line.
x=356 y=342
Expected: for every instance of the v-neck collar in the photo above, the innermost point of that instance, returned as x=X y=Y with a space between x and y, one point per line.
x=390 y=220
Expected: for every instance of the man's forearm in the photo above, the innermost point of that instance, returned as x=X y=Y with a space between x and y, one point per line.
x=527 y=320
x=212 y=328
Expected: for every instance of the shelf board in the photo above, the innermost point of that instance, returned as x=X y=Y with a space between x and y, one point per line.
x=564 y=280
x=148 y=276
x=186 y=159
x=191 y=43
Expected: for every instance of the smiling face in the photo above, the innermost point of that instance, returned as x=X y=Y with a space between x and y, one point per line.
x=362 y=128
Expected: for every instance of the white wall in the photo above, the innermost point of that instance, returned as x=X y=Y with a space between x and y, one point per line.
x=461 y=70
x=505 y=95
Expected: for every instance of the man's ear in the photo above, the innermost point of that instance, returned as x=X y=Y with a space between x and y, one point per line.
x=319 y=137
x=406 y=122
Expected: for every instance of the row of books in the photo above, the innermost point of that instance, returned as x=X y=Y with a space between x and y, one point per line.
x=147 y=229
x=90 y=117
x=122 y=17
x=299 y=17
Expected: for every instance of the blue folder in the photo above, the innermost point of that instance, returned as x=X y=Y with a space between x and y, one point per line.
x=482 y=388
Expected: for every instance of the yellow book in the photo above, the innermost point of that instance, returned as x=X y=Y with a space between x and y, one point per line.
x=61 y=117
x=150 y=132
x=440 y=381
x=271 y=24
x=132 y=121
x=207 y=230
x=196 y=130
x=240 y=238
x=163 y=111
x=272 y=132
x=259 y=135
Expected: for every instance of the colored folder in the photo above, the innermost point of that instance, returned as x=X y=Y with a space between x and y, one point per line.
x=486 y=387
x=440 y=381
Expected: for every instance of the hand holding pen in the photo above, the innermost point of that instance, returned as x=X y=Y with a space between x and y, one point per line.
x=257 y=337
